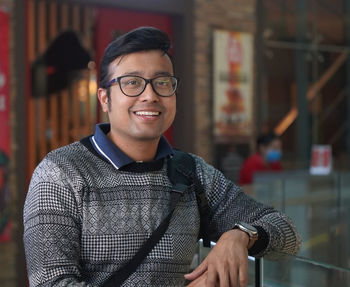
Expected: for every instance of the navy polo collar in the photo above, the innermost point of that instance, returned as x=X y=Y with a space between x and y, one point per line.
x=107 y=149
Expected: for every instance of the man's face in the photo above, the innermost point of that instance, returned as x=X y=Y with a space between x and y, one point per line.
x=147 y=116
x=274 y=146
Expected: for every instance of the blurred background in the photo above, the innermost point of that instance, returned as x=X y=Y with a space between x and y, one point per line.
x=246 y=67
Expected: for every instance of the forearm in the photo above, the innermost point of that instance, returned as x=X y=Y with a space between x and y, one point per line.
x=228 y=205
x=284 y=239
x=277 y=233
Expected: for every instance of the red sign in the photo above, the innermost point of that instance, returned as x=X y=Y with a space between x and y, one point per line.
x=4 y=83
x=4 y=127
x=321 y=160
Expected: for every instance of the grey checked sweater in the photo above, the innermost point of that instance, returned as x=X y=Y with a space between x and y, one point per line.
x=84 y=219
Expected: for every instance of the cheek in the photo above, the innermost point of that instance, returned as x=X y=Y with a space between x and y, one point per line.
x=121 y=106
x=172 y=111
x=172 y=104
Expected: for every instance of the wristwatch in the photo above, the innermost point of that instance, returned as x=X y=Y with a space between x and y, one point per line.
x=250 y=230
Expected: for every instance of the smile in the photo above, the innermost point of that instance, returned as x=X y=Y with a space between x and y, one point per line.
x=147 y=113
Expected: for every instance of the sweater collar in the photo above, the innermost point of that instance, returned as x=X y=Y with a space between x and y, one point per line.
x=107 y=149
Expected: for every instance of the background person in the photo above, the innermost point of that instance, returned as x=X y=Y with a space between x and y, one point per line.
x=267 y=158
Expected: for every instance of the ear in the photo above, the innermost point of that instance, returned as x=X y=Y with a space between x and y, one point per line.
x=103 y=98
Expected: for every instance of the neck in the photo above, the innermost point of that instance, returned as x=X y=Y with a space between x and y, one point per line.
x=137 y=150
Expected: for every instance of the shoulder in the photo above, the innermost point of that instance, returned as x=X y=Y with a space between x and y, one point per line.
x=206 y=172
x=68 y=152
x=200 y=162
x=189 y=162
x=254 y=160
x=75 y=155
x=63 y=163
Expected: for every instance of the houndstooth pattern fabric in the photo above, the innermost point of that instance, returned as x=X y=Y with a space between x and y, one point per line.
x=83 y=220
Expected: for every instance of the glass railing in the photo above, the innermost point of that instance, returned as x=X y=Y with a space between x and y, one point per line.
x=297 y=271
x=320 y=208
x=291 y=271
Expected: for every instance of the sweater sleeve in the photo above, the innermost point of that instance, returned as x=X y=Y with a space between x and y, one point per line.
x=228 y=204
x=52 y=228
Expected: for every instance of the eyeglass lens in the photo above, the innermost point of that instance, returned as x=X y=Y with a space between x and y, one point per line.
x=134 y=86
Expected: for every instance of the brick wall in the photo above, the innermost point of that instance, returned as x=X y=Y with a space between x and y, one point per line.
x=238 y=15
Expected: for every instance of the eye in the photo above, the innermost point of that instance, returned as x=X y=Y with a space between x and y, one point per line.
x=131 y=82
x=163 y=82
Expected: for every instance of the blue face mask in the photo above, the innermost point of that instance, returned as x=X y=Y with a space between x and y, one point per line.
x=273 y=155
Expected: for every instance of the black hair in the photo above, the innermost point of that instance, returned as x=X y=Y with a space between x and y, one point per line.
x=137 y=40
x=266 y=138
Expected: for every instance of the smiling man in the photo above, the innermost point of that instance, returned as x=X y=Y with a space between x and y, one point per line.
x=140 y=101
x=94 y=204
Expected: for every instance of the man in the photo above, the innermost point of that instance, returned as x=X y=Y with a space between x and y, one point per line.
x=266 y=159
x=92 y=204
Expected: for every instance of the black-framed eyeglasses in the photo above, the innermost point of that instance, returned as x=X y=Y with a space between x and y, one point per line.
x=133 y=86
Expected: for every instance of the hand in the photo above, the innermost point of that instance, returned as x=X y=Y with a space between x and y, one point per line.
x=226 y=265
x=199 y=281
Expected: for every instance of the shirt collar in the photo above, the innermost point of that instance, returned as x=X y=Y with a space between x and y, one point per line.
x=106 y=148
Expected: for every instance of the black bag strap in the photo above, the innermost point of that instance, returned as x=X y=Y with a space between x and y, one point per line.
x=181 y=172
x=182 y=169
x=118 y=278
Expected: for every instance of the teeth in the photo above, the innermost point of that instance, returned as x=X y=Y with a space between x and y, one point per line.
x=144 y=113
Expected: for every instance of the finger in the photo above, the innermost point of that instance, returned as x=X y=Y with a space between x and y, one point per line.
x=201 y=268
x=234 y=274
x=200 y=281
x=243 y=274
x=224 y=279
x=224 y=271
x=234 y=277
x=212 y=278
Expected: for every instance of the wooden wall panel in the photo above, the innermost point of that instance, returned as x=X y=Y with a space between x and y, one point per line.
x=75 y=113
x=32 y=156
x=42 y=26
x=76 y=18
x=30 y=30
x=65 y=117
x=64 y=16
x=42 y=127
x=54 y=121
x=53 y=20
x=87 y=107
x=61 y=117
x=88 y=16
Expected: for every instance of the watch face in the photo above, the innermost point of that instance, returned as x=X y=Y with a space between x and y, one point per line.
x=249 y=228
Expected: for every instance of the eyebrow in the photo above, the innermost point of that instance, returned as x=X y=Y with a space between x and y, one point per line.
x=140 y=73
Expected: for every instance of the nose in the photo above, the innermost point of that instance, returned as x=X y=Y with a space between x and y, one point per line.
x=148 y=94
